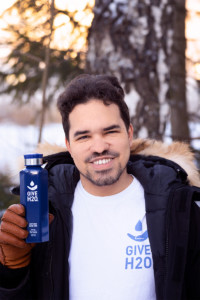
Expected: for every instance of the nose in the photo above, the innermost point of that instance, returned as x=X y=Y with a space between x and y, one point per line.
x=99 y=145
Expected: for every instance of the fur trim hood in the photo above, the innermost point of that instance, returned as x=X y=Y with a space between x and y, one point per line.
x=178 y=152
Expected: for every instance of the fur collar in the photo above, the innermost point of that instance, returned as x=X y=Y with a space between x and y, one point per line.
x=178 y=152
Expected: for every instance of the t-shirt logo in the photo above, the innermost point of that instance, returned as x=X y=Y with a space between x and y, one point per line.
x=138 y=254
x=140 y=237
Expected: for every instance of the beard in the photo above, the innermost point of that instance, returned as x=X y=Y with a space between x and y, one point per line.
x=103 y=178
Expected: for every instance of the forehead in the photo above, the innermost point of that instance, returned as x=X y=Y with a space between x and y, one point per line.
x=94 y=114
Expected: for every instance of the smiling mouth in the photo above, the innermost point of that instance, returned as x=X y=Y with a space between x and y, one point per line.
x=102 y=161
x=102 y=158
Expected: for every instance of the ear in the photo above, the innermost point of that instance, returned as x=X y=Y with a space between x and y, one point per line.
x=130 y=134
x=67 y=145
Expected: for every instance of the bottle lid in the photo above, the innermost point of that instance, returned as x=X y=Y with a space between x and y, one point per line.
x=34 y=159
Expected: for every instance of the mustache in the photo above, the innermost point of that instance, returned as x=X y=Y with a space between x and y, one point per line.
x=104 y=153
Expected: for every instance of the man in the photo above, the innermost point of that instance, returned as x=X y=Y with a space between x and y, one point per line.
x=122 y=227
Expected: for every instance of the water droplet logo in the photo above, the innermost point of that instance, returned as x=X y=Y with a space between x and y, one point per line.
x=141 y=237
x=32 y=186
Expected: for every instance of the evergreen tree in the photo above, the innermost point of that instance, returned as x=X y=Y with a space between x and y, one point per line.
x=35 y=62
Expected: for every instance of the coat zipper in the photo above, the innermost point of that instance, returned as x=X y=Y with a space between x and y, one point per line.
x=167 y=239
x=170 y=202
x=51 y=278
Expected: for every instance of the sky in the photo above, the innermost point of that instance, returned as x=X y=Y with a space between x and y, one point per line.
x=5 y=4
x=61 y=3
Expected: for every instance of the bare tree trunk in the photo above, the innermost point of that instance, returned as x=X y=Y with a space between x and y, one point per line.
x=178 y=104
x=45 y=73
x=133 y=41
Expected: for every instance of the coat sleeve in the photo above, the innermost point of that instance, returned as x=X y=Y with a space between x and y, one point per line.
x=192 y=275
x=14 y=283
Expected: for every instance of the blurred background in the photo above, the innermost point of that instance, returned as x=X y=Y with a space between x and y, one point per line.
x=153 y=47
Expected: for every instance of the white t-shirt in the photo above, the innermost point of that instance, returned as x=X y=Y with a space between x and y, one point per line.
x=110 y=256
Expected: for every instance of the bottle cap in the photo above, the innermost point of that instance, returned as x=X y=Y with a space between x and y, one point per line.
x=34 y=159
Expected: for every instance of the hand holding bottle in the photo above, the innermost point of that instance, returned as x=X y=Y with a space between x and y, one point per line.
x=14 y=251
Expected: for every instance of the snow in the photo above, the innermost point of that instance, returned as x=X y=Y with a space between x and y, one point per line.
x=125 y=62
x=18 y=140
x=138 y=33
x=194 y=132
x=143 y=133
x=107 y=44
x=193 y=97
x=162 y=70
x=157 y=13
x=169 y=40
x=113 y=8
x=132 y=100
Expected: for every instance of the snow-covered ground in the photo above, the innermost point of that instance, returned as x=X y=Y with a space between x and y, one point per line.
x=17 y=140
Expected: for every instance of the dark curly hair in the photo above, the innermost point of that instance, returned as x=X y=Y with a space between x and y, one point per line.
x=86 y=87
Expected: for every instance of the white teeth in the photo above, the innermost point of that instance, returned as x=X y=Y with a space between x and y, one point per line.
x=102 y=161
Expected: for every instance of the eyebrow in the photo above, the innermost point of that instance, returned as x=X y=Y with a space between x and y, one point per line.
x=111 y=127
x=82 y=132
x=79 y=132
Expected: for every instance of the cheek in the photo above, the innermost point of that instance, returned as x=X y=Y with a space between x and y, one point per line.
x=78 y=161
x=79 y=150
x=125 y=150
x=78 y=156
x=125 y=145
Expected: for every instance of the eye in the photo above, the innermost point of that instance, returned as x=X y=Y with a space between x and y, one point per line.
x=83 y=137
x=112 y=131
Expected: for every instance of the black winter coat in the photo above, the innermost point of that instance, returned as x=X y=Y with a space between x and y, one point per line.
x=173 y=221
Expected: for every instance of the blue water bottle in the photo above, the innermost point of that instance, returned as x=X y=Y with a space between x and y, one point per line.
x=34 y=197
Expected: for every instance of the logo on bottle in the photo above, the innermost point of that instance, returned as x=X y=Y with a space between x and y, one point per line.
x=32 y=186
x=32 y=194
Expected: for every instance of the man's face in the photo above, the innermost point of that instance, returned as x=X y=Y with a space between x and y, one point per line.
x=100 y=146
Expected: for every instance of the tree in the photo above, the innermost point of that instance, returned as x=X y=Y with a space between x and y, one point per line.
x=46 y=69
x=143 y=44
x=35 y=62
x=177 y=86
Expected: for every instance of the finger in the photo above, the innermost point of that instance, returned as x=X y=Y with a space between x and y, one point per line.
x=2 y=256
x=12 y=217
x=14 y=257
x=51 y=218
x=8 y=239
x=14 y=230
x=18 y=209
